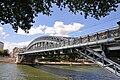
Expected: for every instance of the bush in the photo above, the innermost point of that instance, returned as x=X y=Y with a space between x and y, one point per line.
x=4 y=53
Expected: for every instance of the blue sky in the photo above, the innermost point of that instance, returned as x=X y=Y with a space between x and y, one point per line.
x=72 y=25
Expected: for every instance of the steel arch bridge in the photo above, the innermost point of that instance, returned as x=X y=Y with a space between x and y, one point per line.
x=49 y=42
x=93 y=47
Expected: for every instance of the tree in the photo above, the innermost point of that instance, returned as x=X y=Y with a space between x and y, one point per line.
x=4 y=53
x=20 y=13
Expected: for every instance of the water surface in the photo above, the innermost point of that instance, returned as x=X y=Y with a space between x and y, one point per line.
x=81 y=72
x=54 y=72
x=24 y=72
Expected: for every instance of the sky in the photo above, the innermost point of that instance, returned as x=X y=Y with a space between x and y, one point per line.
x=61 y=23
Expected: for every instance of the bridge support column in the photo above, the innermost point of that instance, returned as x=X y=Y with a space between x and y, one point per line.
x=19 y=58
x=104 y=50
x=25 y=59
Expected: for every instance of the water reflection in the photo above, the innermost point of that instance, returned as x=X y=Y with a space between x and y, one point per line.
x=10 y=72
x=23 y=72
x=32 y=73
x=81 y=72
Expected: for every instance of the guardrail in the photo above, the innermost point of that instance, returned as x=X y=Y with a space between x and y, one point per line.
x=109 y=33
x=102 y=35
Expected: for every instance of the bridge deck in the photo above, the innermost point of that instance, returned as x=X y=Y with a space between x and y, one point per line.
x=73 y=46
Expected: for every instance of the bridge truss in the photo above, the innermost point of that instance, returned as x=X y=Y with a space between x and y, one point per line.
x=47 y=45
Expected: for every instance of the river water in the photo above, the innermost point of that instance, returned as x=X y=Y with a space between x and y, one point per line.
x=23 y=72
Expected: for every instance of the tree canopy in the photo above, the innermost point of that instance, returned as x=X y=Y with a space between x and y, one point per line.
x=4 y=53
x=20 y=13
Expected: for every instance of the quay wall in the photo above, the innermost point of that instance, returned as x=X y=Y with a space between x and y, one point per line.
x=7 y=60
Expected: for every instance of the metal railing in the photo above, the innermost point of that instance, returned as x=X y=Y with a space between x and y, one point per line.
x=109 y=33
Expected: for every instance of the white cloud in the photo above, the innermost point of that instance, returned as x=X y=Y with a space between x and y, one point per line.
x=49 y=30
x=10 y=46
x=32 y=31
x=3 y=34
x=58 y=29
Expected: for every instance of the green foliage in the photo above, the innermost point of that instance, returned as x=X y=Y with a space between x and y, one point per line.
x=66 y=57
x=20 y=13
x=4 y=53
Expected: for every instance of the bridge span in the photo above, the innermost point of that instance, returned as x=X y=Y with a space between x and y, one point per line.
x=100 y=48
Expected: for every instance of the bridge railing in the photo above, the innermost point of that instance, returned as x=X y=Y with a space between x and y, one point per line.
x=109 y=33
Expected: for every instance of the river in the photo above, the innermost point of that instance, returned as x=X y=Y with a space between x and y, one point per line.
x=40 y=72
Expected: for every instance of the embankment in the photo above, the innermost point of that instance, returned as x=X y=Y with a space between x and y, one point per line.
x=7 y=60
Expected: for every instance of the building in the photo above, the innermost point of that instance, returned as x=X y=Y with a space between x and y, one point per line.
x=15 y=51
x=1 y=45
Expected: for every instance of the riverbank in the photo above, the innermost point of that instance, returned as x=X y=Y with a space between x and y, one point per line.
x=7 y=60
x=13 y=60
x=67 y=63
